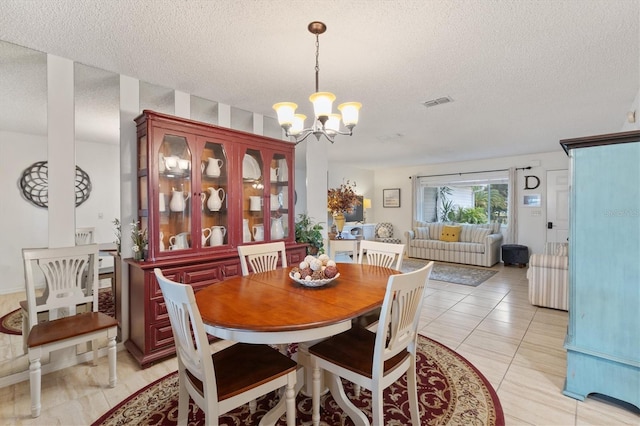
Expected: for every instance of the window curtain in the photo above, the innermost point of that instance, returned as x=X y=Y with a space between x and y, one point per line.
x=511 y=236
x=415 y=187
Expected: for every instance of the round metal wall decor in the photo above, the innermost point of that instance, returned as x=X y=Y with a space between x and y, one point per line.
x=34 y=184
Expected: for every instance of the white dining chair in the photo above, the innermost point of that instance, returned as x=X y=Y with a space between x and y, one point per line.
x=226 y=379
x=342 y=246
x=85 y=235
x=388 y=255
x=375 y=360
x=71 y=282
x=262 y=257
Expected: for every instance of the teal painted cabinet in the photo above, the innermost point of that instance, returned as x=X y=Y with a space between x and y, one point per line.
x=603 y=336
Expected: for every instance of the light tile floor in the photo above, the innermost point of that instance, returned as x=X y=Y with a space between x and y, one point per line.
x=517 y=346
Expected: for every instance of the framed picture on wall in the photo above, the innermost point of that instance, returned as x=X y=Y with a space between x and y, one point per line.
x=391 y=197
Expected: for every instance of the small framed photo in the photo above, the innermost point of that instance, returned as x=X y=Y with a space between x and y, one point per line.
x=391 y=197
x=531 y=200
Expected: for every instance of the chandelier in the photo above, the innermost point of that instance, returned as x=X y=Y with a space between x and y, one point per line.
x=325 y=123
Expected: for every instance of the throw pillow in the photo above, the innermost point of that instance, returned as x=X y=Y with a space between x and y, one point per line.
x=478 y=235
x=450 y=234
x=422 y=233
x=383 y=232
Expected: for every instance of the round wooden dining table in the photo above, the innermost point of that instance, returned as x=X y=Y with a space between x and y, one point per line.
x=270 y=307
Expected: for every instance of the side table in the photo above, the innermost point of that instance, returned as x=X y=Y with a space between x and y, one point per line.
x=515 y=254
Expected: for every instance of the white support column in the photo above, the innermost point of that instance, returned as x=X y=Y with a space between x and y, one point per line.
x=317 y=175
x=61 y=151
x=258 y=123
x=129 y=110
x=182 y=104
x=224 y=115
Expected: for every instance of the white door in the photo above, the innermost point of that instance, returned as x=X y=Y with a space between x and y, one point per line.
x=557 y=205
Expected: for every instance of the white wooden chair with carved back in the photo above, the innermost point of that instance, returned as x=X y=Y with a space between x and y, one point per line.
x=388 y=255
x=85 y=235
x=262 y=257
x=71 y=281
x=226 y=379
x=375 y=360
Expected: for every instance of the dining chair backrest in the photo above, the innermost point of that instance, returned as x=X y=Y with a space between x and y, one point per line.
x=187 y=326
x=85 y=235
x=262 y=257
x=70 y=278
x=350 y=246
x=400 y=315
x=388 y=255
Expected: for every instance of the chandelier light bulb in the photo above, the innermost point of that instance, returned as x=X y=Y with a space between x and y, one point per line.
x=285 y=111
x=322 y=103
x=332 y=126
x=298 y=124
x=350 y=112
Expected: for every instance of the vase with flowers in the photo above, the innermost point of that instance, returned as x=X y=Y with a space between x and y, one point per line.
x=341 y=200
x=140 y=241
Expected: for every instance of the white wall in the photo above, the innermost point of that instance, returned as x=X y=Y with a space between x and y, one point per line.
x=530 y=227
x=23 y=224
x=102 y=164
x=26 y=225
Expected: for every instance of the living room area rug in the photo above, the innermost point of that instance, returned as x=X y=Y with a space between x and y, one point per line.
x=457 y=274
x=450 y=391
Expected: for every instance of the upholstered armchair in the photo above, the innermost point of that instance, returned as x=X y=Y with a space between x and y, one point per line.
x=549 y=278
x=384 y=233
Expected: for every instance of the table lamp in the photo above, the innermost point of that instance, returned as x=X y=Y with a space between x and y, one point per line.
x=366 y=204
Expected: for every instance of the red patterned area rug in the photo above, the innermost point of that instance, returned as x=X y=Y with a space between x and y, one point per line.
x=11 y=323
x=450 y=391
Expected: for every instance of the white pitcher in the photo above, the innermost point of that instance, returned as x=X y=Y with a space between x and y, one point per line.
x=258 y=232
x=162 y=206
x=178 y=201
x=162 y=247
x=213 y=167
x=246 y=233
x=254 y=203
x=277 y=231
x=216 y=197
x=217 y=235
x=206 y=233
x=179 y=242
x=276 y=201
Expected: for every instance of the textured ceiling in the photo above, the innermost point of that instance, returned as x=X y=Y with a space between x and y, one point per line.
x=522 y=74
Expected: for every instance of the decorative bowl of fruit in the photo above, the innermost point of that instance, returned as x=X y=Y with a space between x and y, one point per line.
x=315 y=272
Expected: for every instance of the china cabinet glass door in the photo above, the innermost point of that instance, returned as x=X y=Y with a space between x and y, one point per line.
x=174 y=193
x=214 y=183
x=253 y=226
x=278 y=177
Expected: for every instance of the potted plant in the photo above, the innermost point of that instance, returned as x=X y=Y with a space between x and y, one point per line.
x=309 y=232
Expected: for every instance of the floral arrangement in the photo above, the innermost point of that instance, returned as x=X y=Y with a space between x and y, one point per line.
x=342 y=199
x=118 y=231
x=139 y=238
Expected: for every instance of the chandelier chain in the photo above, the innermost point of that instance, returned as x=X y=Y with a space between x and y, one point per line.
x=317 y=61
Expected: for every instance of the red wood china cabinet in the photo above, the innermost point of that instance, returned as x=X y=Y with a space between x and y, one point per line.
x=203 y=190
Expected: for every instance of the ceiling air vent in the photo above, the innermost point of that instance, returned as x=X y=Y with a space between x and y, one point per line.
x=438 y=101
